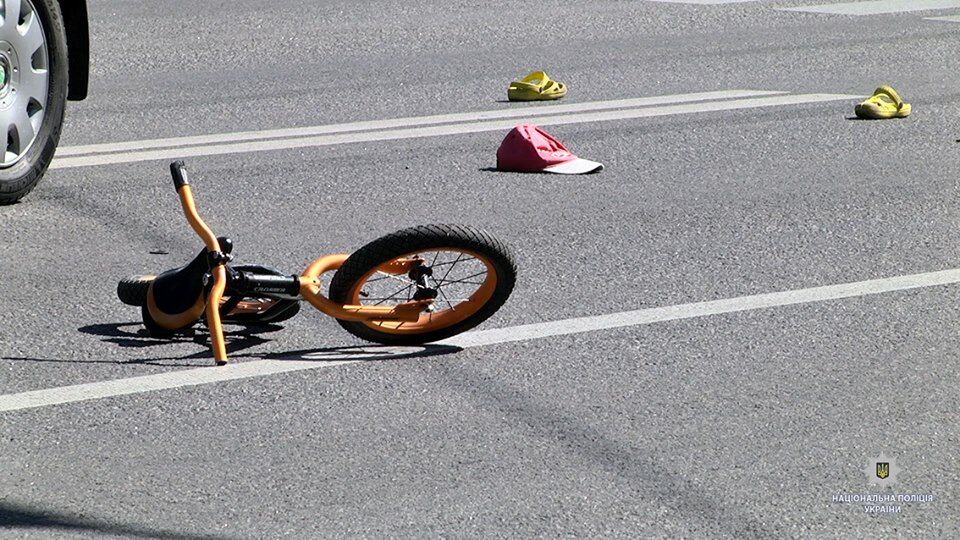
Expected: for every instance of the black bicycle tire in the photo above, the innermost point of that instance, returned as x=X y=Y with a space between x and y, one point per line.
x=132 y=290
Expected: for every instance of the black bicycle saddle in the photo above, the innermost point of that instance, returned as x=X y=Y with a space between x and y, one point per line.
x=176 y=298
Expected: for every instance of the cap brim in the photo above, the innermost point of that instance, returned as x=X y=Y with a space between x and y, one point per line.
x=575 y=166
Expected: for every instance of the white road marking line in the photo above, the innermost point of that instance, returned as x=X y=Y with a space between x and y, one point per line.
x=259 y=368
x=954 y=18
x=702 y=309
x=877 y=7
x=149 y=383
x=441 y=130
x=539 y=110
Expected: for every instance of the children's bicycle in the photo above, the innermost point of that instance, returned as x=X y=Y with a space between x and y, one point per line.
x=414 y=286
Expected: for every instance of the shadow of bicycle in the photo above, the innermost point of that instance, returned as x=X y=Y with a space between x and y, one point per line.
x=365 y=353
x=134 y=336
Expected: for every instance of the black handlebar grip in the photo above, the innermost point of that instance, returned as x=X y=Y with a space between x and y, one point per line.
x=179 y=172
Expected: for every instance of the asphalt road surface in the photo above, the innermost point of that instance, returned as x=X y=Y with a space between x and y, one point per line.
x=745 y=418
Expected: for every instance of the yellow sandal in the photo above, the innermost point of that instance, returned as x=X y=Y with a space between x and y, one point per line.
x=885 y=103
x=536 y=86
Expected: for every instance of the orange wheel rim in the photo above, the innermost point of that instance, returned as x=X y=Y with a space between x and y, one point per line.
x=464 y=280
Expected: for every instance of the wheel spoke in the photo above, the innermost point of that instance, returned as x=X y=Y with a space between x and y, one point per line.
x=11 y=14
x=31 y=37
x=33 y=87
x=459 y=260
x=461 y=280
x=394 y=295
x=389 y=276
x=454 y=263
x=20 y=131
x=445 y=299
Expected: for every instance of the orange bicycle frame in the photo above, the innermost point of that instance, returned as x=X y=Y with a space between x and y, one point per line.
x=309 y=280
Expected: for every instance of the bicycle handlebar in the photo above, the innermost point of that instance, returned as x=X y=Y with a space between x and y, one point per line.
x=179 y=172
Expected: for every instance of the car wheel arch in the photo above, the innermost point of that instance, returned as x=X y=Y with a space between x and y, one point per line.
x=78 y=47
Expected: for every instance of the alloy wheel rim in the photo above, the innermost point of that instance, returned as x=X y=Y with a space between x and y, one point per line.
x=25 y=79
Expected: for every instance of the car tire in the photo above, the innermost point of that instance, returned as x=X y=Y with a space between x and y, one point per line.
x=22 y=163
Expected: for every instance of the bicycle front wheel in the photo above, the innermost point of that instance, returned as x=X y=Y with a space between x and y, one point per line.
x=468 y=272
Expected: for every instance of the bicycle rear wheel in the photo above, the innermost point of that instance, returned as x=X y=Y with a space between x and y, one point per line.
x=468 y=272
x=132 y=291
x=235 y=310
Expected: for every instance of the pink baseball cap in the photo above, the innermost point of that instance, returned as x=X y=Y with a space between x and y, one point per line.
x=528 y=148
